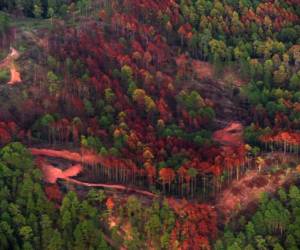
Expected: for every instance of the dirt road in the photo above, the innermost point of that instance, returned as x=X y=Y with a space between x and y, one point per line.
x=228 y=202
x=52 y=173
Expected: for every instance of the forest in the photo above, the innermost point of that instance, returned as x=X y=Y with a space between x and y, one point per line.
x=149 y=124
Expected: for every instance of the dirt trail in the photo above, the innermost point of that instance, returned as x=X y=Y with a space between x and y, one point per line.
x=15 y=76
x=13 y=55
x=8 y=62
x=238 y=196
x=116 y=187
x=52 y=173
x=67 y=155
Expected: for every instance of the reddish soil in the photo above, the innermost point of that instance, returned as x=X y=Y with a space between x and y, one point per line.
x=53 y=192
x=15 y=76
x=8 y=62
x=203 y=70
x=247 y=190
x=87 y=158
x=52 y=173
x=238 y=196
x=231 y=135
x=13 y=55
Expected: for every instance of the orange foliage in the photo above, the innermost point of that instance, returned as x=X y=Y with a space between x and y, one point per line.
x=110 y=204
x=196 y=225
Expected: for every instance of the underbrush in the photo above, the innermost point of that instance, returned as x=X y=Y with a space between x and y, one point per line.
x=4 y=76
x=274 y=225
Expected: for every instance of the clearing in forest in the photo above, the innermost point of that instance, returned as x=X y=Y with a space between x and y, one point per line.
x=246 y=191
x=8 y=62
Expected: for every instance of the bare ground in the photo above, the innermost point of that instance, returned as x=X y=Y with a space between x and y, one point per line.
x=243 y=193
x=240 y=195
x=52 y=173
x=8 y=62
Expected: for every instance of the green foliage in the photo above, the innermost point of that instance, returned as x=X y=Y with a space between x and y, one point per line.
x=29 y=221
x=273 y=226
x=41 y=8
x=227 y=32
x=154 y=223
x=252 y=134
x=4 y=76
x=4 y=23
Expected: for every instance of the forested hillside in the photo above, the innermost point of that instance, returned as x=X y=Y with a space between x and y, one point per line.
x=141 y=123
x=29 y=221
x=275 y=225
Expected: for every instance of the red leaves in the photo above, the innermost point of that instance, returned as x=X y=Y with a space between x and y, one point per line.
x=77 y=105
x=288 y=137
x=196 y=225
x=185 y=31
x=164 y=110
x=4 y=136
x=53 y=193
x=279 y=16
x=153 y=7
x=136 y=46
x=167 y=175
x=10 y=131
x=151 y=173
x=125 y=22
x=110 y=204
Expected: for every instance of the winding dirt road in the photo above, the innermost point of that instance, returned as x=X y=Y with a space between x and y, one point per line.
x=116 y=187
x=52 y=173
x=67 y=155
x=237 y=197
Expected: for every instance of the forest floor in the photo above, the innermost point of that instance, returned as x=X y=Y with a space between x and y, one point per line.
x=222 y=90
x=228 y=75
x=9 y=62
x=244 y=194
x=41 y=42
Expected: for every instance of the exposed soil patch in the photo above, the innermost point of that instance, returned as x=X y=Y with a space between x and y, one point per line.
x=247 y=191
x=72 y=156
x=231 y=77
x=236 y=191
x=222 y=90
x=52 y=173
x=257 y=182
x=203 y=70
x=231 y=135
x=8 y=62
x=238 y=196
x=15 y=76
